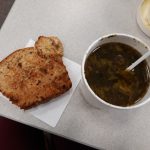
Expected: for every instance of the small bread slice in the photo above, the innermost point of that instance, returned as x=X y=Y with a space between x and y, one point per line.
x=49 y=46
x=28 y=79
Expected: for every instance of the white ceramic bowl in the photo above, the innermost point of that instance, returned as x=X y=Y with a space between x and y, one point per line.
x=88 y=93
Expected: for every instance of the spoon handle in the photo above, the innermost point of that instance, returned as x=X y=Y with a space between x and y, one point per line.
x=138 y=61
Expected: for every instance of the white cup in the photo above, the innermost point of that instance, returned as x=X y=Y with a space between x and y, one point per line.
x=88 y=93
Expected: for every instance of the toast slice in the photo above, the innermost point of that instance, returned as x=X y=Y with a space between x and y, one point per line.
x=28 y=79
x=49 y=46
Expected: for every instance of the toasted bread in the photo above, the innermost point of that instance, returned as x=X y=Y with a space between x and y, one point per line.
x=28 y=79
x=49 y=46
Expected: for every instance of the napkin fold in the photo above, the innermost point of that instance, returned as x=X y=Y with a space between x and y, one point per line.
x=50 y=112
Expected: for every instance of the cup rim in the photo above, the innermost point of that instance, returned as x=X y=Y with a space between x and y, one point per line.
x=85 y=80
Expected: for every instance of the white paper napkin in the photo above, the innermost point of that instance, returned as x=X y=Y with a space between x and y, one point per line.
x=51 y=112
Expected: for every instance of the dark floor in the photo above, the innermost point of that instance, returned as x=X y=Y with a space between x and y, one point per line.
x=17 y=136
x=5 y=6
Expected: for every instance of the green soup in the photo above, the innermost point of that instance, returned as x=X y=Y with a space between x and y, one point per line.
x=106 y=75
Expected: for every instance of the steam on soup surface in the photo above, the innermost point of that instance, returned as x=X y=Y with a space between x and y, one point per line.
x=106 y=75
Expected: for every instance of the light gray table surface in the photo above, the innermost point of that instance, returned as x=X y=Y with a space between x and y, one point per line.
x=78 y=23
